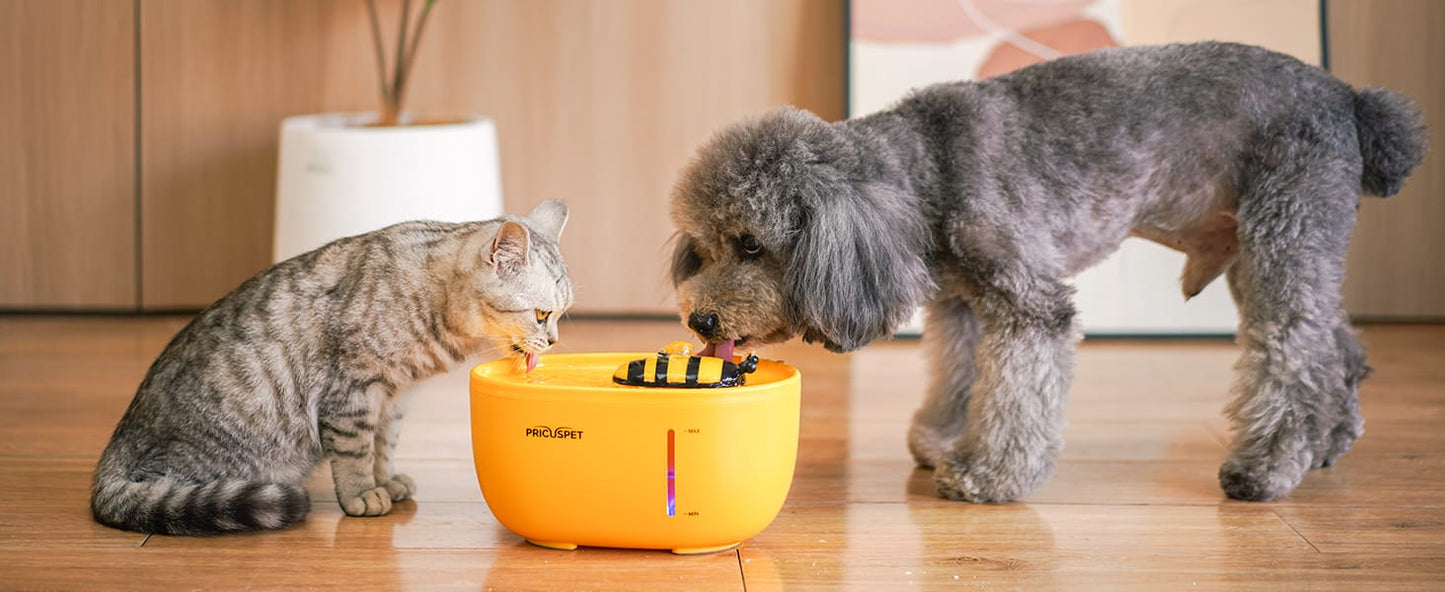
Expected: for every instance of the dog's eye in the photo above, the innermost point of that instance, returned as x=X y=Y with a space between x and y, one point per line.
x=749 y=247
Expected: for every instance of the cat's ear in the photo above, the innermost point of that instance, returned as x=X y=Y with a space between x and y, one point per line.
x=509 y=249
x=549 y=217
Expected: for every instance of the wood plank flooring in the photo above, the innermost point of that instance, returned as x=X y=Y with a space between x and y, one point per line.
x=1134 y=503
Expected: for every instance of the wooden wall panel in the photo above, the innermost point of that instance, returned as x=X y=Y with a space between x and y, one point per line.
x=601 y=104
x=67 y=155
x=1394 y=268
x=598 y=103
x=217 y=77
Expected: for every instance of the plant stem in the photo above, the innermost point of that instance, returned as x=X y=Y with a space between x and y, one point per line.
x=380 y=55
x=398 y=73
x=404 y=66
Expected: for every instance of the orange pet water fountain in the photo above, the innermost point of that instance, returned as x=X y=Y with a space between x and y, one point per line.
x=567 y=457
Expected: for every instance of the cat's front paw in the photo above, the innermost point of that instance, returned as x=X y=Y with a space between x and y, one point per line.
x=400 y=487
x=372 y=502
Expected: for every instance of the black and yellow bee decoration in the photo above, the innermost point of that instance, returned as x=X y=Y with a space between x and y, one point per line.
x=674 y=367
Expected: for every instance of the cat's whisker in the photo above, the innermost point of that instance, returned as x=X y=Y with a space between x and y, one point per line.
x=498 y=352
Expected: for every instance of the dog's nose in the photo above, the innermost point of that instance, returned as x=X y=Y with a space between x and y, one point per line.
x=704 y=324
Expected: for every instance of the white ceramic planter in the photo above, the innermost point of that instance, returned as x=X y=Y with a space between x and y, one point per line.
x=338 y=177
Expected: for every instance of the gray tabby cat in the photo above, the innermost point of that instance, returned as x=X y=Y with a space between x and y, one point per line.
x=310 y=360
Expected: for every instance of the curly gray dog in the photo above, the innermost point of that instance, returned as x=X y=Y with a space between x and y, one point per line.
x=978 y=199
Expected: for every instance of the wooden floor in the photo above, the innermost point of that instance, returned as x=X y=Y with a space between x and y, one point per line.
x=1134 y=503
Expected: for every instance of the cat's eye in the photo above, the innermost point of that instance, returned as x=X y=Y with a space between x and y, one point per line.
x=543 y=315
x=749 y=247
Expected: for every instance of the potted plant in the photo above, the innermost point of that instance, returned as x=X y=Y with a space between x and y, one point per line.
x=347 y=173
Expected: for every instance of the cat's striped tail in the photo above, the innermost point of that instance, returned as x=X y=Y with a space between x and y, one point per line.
x=168 y=506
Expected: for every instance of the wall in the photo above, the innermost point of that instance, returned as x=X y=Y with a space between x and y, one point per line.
x=599 y=103
x=139 y=161
x=67 y=155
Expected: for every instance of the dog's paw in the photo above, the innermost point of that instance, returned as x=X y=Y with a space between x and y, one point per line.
x=928 y=445
x=400 y=487
x=968 y=479
x=1338 y=442
x=1256 y=482
x=372 y=502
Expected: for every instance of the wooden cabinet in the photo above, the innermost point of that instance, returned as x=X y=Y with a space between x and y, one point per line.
x=602 y=103
x=1394 y=268
x=67 y=155
x=217 y=77
x=598 y=103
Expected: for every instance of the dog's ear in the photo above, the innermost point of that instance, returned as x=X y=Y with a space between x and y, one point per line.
x=685 y=260
x=857 y=269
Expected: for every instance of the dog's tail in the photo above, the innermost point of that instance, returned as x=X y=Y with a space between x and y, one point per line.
x=1391 y=131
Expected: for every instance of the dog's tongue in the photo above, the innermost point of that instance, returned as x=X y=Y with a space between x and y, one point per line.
x=722 y=350
x=531 y=361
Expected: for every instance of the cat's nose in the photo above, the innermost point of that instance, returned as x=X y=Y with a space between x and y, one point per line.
x=704 y=324
x=551 y=341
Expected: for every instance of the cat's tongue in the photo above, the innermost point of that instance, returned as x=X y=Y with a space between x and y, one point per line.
x=722 y=350
x=531 y=361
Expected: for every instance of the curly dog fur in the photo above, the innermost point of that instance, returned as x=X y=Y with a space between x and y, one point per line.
x=977 y=199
